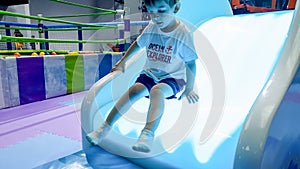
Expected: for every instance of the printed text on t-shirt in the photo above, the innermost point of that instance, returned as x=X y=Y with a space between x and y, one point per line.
x=159 y=53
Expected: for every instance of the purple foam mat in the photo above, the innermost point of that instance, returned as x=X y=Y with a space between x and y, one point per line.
x=13 y=113
x=49 y=116
x=66 y=125
x=10 y=138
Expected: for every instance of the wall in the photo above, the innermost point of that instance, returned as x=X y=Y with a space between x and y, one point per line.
x=54 y=9
x=50 y=8
x=23 y=9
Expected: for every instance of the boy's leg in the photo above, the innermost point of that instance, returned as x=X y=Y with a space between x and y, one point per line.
x=134 y=93
x=157 y=97
x=157 y=104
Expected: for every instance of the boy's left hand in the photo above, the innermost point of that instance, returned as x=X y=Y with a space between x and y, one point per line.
x=190 y=95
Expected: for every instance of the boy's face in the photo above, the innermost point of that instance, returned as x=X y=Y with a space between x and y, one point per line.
x=162 y=14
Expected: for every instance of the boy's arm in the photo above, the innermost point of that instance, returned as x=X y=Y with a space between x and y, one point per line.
x=189 y=93
x=129 y=53
x=190 y=75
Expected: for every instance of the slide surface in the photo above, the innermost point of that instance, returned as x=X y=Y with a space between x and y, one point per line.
x=271 y=134
x=237 y=57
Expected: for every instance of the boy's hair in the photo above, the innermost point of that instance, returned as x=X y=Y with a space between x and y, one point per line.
x=170 y=2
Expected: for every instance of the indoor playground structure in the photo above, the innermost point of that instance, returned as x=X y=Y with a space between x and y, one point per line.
x=248 y=80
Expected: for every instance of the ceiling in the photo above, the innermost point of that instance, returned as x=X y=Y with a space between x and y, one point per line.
x=13 y=2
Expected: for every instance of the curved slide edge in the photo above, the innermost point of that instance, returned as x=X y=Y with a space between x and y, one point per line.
x=254 y=140
x=101 y=94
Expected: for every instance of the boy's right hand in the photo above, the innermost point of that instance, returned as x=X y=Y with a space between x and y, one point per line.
x=118 y=66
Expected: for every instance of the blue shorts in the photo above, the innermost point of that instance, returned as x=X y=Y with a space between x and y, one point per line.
x=176 y=84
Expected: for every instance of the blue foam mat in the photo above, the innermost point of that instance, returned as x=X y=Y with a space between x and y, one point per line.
x=37 y=151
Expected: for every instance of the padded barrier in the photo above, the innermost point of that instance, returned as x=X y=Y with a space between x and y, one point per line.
x=74 y=73
x=13 y=82
x=3 y=82
x=28 y=79
x=55 y=76
x=31 y=73
x=91 y=69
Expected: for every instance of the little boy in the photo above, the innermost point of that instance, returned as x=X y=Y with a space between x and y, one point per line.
x=169 y=69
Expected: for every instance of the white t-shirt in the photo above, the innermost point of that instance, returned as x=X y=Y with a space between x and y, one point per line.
x=167 y=53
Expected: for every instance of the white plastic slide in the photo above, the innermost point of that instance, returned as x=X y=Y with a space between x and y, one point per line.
x=241 y=58
x=270 y=137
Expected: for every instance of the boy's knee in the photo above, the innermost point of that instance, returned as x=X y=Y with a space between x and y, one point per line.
x=156 y=90
x=136 y=90
x=156 y=87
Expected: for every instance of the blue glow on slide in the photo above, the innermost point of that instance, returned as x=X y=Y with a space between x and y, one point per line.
x=198 y=11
